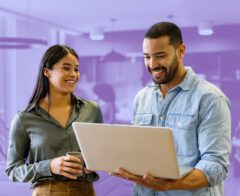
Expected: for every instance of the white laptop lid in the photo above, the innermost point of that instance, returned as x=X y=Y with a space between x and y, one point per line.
x=138 y=149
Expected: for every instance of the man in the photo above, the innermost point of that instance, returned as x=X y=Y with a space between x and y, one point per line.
x=196 y=110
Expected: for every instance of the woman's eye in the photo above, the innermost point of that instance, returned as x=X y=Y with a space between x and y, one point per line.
x=66 y=68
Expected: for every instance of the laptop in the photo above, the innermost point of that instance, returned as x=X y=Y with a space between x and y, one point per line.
x=137 y=149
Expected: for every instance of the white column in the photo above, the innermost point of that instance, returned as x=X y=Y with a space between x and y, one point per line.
x=57 y=36
x=53 y=39
x=2 y=116
x=8 y=69
x=62 y=37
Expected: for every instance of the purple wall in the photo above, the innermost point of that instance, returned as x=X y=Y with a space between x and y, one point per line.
x=116 y=62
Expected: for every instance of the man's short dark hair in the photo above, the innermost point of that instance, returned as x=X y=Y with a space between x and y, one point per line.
x=165 y=29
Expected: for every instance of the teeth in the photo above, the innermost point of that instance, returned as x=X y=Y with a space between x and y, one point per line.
x=158 y=71
x=72 y=82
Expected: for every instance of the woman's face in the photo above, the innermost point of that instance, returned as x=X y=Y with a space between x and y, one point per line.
x=64 y=75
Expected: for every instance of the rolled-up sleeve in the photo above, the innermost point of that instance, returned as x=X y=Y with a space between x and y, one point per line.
x=214 y=139
x=19 y=144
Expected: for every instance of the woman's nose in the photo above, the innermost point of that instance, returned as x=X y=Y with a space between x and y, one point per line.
x=73 y=72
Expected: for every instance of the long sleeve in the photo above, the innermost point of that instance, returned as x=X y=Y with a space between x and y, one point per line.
x=214 y=133
x=19 y=144
x=99 y=116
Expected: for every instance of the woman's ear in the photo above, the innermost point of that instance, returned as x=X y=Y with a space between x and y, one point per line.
x=46 y=72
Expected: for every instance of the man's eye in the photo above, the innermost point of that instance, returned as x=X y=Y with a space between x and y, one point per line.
x=76 y=69
x=162 y=56
x=146 y=57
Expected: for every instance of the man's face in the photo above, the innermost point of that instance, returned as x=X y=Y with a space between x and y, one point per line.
x=160 y=59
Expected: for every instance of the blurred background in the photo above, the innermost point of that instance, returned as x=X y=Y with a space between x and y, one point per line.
x=108 y=37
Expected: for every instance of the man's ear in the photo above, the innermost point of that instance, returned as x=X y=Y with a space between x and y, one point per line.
x=181 y=51
x=46 y=72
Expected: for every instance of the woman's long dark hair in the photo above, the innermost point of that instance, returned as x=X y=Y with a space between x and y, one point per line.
x=50 y=57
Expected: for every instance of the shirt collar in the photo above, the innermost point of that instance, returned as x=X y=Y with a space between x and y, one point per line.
x=75 y=100
x=186 y=83
x=188 y=79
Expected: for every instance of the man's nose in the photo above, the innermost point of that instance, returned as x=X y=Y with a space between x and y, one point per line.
x=153 y=63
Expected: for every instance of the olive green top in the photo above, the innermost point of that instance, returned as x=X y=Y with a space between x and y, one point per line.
x=36 y=138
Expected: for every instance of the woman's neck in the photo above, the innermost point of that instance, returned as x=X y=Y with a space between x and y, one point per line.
x=55 y=100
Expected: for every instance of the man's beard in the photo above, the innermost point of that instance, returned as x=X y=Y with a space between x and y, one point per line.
x=169 y=74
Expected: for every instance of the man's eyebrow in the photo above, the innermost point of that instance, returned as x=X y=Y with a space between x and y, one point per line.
x=157 y=53
x=160 y=53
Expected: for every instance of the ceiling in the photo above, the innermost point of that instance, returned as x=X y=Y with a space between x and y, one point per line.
x=109 y=15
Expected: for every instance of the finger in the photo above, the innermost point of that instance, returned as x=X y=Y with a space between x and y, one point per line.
x=86 y=171
x=117 y=175
x=68 y=175
x=158 y=182
x=72 y=170
x=128 y=175
x=123 y=172
x=72 y=165
x=148 y=177
x=72 y=158
x=89 y=169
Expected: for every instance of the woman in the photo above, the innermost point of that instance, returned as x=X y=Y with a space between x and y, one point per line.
x=41 y=135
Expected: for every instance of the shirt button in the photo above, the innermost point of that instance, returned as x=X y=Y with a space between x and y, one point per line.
x=161 y=117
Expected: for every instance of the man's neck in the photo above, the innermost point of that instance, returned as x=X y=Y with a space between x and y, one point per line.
x=178 y=78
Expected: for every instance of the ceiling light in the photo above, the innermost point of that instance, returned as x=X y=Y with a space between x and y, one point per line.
x=20 y=42
x=205 y=29
x=96 y=34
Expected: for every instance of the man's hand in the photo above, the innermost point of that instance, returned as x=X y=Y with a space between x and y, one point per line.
x=147 y=180
x=194 y=180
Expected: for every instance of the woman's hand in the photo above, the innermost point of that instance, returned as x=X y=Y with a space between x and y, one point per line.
x=68 y=166
x=87 y=171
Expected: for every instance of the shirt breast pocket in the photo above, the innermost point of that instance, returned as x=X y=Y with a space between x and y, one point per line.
x=184 y=131
x=143 y=119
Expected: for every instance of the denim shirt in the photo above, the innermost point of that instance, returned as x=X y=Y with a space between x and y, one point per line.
x=199 y=115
